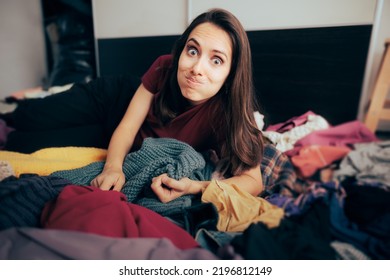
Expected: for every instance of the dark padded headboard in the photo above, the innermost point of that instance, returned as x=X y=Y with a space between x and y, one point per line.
x=295 y=70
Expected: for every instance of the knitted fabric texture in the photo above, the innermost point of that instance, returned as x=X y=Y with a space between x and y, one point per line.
x=156 y=156
x=22 y=199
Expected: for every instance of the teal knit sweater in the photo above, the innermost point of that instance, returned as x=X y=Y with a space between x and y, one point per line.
x=156 y=156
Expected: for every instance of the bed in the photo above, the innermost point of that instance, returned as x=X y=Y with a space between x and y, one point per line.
x=325 y=174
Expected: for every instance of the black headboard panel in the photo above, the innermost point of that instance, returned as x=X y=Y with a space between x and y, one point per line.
x=295 y=70
x=131 y=55
x=318 y=69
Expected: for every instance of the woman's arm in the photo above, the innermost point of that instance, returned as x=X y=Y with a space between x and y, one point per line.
x=168 y=189
x=250 y=181
x=122 y=141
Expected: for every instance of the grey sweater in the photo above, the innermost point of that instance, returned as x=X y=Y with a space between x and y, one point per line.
x=156 y=156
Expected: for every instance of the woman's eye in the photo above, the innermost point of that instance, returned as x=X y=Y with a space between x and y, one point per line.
x=192 y=51
x=217 y=61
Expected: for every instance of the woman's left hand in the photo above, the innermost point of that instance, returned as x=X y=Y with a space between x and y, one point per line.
x=168 y=189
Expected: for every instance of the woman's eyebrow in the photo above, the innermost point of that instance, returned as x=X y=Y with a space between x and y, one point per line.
x=215 y=50
x=193 y=40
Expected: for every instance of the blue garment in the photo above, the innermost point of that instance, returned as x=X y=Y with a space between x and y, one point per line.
x=345 y=230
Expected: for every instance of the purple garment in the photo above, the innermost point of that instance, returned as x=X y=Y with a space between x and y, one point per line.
x=343 y=135
x=284 y=202
x=303 y=202
x=4 y=130
x=45 y=244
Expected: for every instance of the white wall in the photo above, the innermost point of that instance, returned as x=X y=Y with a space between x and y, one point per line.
x=22 y=46
x=282 y=14
x=134 y=18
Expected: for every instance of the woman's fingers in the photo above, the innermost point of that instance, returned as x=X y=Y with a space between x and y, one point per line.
x=118 y=184
x=109 y=182
x=94 y=183
x=171 y=183
x=167 y=188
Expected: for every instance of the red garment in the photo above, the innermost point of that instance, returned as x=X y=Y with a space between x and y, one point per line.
x=153 y=79
x=314 y=157
x=195 y=126
x=92 y=210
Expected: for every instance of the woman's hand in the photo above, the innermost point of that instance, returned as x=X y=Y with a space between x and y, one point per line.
x=109 y=179
x=168 y=189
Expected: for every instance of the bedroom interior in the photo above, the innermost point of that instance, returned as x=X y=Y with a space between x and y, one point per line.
x=317 y=66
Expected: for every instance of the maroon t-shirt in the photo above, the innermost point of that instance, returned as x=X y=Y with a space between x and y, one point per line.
x=194 y=126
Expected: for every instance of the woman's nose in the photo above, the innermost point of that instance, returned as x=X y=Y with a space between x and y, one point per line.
x=197 y=67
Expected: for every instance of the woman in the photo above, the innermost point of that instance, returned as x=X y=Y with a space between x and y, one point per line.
x=202 y=94
x=209 y=75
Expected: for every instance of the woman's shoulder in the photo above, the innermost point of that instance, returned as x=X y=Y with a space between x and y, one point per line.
x=164 y=61
x=154 y=77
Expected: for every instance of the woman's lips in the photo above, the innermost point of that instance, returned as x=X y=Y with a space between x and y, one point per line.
x=192 y=82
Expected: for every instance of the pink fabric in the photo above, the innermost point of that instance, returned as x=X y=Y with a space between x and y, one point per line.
x=312 y=158
x=91 y=210
x=291 y=123
x=343 y=135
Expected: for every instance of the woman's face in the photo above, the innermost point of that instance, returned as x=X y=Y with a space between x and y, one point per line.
x=204 y=63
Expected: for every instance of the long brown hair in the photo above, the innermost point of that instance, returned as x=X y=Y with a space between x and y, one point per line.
x=243 y=148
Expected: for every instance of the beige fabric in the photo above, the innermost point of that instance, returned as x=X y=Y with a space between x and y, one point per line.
x=5 y=170
x=237 y=209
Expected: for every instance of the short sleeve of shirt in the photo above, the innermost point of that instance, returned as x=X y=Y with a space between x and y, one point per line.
x=155 y=76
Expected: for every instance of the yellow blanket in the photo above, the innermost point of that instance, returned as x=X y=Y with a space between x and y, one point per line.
x=45 y=161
